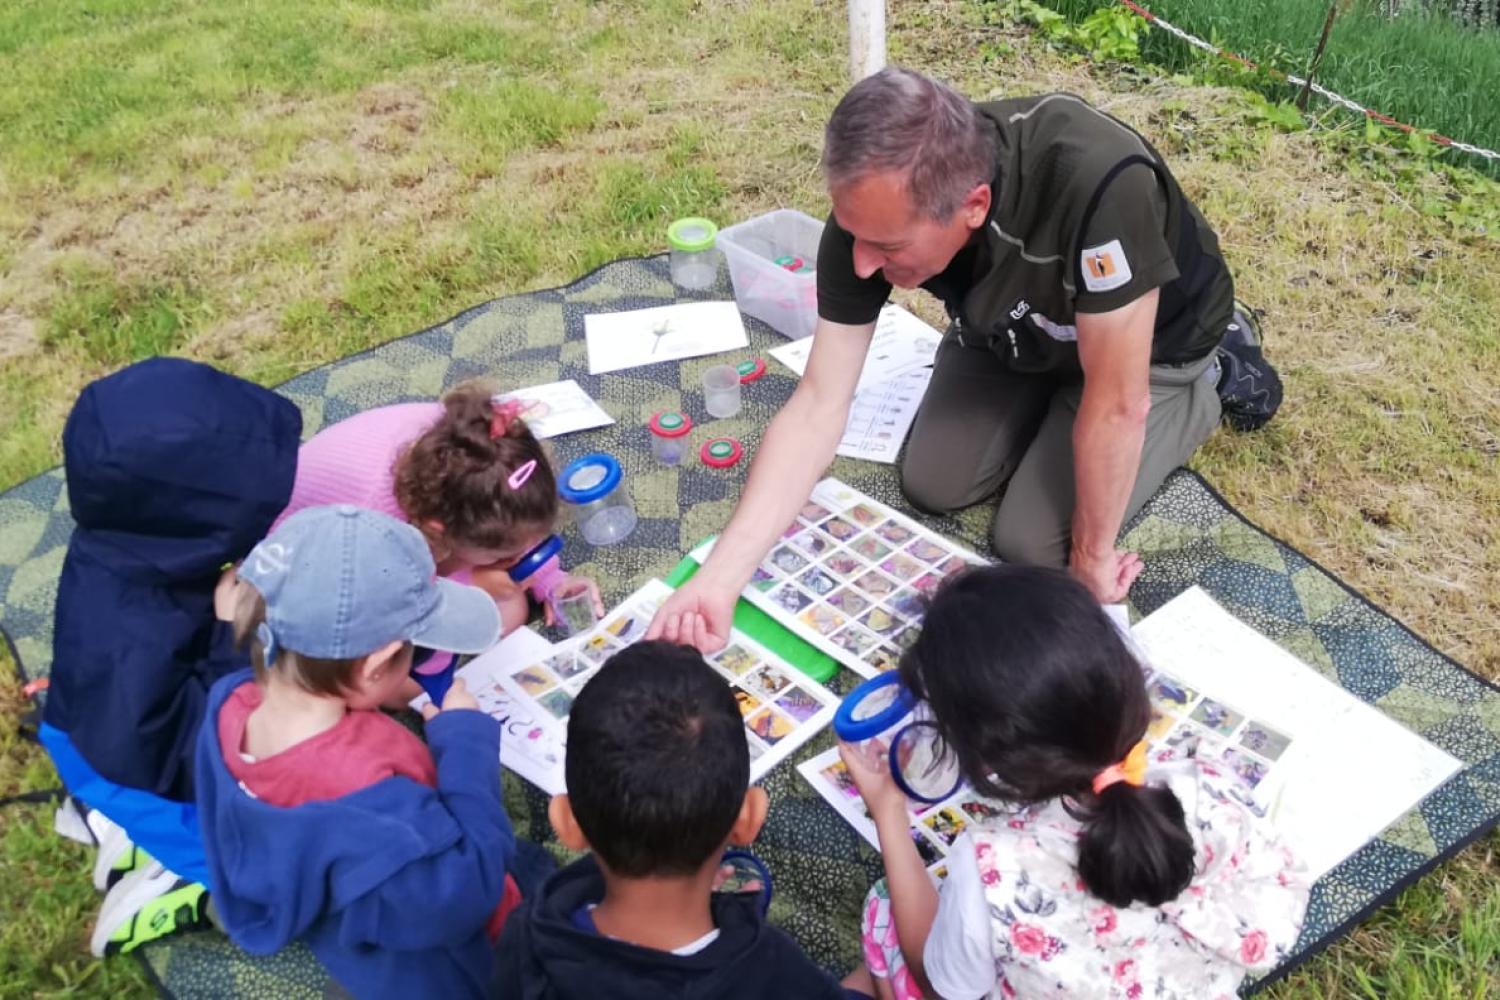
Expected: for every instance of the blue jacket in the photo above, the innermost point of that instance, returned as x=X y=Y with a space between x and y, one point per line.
x=173 y=469
x=389 y=886
x=545 y=955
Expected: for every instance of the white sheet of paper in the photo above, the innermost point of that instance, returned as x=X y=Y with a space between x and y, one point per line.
x=901 y=344
x=531 y=742
x=881 y=415
x=1350 y=770
x=558 y=408
x=665 y=333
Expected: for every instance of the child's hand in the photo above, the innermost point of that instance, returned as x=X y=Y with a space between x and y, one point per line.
x=867 y=766
x=457 y=699
x=571 y=585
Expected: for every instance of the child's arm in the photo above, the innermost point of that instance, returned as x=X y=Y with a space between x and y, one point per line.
x=515 y=610
x=449 y=896
x=914 y=899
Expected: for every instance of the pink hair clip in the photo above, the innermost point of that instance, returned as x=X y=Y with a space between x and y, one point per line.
x=502 y=415
x=518 y=478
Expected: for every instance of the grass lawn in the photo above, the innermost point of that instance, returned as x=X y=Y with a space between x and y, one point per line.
x=270 y=185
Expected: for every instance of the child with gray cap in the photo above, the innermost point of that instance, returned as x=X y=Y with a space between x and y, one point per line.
x=326 y=821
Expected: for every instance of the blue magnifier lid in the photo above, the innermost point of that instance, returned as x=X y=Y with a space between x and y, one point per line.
x=922 y=773
x=872 y=708
x=589 y=478
x=534 y=560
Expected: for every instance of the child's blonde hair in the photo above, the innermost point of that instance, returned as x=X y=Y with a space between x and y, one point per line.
x=317 y=675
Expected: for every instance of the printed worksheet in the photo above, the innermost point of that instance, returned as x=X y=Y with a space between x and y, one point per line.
x=558 y=408
x=881 y=416
x=531 y=742
x=1331 y=771
x=902 y=343
x=849 y=576
x=934 y=827
x=665 y=333
x=782 y=707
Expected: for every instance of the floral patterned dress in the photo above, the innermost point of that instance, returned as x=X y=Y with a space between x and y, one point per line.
x=1048 y=936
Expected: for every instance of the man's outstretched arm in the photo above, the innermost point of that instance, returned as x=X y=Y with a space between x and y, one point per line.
x=796 y=449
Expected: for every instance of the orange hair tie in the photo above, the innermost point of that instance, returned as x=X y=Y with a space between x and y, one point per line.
x=1131 y=770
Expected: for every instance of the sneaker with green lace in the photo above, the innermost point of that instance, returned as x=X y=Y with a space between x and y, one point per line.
x=147 y=905
x=117 y=856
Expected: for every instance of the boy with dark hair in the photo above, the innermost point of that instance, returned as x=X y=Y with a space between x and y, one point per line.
x=658 y=773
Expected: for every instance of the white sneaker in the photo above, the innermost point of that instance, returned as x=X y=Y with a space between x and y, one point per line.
x=146 y=905
x=117 y=856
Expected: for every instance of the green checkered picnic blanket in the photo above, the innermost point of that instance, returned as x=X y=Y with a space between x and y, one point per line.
x=1187 y=534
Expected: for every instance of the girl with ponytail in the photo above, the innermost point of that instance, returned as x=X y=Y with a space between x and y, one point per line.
x=1093 y=873
x=466 y=472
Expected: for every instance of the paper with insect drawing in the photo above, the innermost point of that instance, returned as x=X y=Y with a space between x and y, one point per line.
x=558 y=408
x=531 y=742
x=849 y=576
x=782 y=708
x=1332 y=771
x=901 y=343
x=621 y=340
x=881 y=416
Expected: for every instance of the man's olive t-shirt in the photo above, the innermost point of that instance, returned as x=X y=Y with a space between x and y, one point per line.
x=1085 y=219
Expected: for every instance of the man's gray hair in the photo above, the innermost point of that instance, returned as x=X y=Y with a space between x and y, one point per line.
x=898 y=121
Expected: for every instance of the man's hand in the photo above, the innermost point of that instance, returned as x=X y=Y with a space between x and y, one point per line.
x=1108 y=578
x=699 y=614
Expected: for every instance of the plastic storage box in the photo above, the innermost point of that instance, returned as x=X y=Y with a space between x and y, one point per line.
x=786 y=301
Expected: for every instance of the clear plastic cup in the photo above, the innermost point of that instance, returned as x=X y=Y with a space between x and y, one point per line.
x=669 y=431
x=721 y=391
x=573 y=604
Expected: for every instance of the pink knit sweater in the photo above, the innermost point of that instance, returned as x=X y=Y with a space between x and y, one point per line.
x=354 y=462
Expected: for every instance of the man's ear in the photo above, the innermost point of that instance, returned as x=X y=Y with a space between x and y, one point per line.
x=565 y=824
x=976 y=206
x=751 y=818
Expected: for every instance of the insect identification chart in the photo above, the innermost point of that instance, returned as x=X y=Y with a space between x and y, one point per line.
x=850 y=576
x=1327 y=770
x=781 y=707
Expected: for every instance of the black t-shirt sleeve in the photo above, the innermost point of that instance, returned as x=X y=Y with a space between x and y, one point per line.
x=1124 y=252
x=843 y=296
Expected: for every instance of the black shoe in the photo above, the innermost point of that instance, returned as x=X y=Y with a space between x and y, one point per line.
x=1249 y=388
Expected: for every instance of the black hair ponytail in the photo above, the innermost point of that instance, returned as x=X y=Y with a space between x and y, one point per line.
x=1135 y=845
x=1035 y=692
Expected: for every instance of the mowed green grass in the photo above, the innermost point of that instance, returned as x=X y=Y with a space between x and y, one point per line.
x=269 y=186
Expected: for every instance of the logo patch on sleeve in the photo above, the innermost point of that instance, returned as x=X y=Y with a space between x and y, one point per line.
x=1105 y=267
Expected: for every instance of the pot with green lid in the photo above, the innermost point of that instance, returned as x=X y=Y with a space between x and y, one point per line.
x=695 y=254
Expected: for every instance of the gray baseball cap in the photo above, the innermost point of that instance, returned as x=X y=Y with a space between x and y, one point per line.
x=341 y=582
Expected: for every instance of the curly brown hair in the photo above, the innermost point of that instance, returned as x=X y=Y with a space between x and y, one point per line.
x=455 y=474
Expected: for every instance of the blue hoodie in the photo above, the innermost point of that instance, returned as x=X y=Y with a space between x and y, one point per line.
x=390 y=886
x=173 y=470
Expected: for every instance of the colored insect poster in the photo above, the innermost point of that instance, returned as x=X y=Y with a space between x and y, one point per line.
x=781 y=707
x=1327 y=770
x=850 y=575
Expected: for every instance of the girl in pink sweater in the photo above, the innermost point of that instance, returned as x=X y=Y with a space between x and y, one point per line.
x=466 y=472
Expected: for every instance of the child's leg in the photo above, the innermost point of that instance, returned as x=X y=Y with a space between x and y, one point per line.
x=883 y=950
